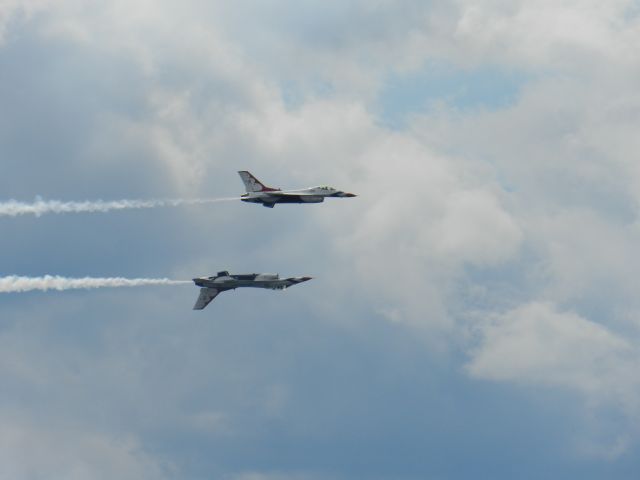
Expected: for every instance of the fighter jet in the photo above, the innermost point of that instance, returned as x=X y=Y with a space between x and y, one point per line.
x=257 y=192
x=223 y=281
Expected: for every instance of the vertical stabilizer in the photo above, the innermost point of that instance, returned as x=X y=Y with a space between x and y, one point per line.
x=252 y=184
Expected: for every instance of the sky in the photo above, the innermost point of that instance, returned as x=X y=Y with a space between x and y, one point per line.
x=474 y=312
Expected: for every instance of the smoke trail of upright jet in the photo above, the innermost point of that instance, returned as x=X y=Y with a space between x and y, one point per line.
x=14 y=283
x=14 y=208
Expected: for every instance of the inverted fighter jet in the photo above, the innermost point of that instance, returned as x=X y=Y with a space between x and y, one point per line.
x=223 y=281
x=257 y=192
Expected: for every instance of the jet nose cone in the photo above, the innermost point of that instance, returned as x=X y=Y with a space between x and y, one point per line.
x=305 y=279
x=350 y=195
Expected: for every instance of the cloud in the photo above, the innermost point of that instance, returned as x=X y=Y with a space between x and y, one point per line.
x=16 y=11
x=537 y=345
x=520 y=218
x=37 y=451
x=278 y=476
x=420 y=217
x=476 y=229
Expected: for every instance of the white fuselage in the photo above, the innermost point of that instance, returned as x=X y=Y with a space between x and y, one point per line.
x=253 y=280
x=257 y=192
x=305 y=195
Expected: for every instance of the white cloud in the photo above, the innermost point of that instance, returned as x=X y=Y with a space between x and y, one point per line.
x=537 y=345
x=18 y=11
x=555 y=174
x=419 y=218
x=542 y=33
x=586 y=257
x=423 y=213
x=192 y=82
x=279 y=476
x=477 y=229
x=31 y=451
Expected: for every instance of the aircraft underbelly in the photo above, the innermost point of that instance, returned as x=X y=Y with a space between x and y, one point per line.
x=312 y=199
x=270 y=201
x=300 y=199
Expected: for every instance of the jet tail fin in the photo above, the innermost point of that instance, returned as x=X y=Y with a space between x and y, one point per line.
x=205 y=297
x=252 y=184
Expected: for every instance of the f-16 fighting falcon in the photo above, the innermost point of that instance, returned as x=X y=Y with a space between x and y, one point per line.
x=223 y=281
x=257 y=192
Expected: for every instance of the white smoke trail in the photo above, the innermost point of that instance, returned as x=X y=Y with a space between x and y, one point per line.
x=14 y=283
x=13 y=208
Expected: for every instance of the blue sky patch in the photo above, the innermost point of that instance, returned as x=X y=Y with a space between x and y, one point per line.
x=487 y=87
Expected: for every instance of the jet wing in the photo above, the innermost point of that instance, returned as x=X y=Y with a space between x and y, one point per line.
x=205 y=297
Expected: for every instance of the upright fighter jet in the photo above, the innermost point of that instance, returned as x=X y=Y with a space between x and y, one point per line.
x=223 y=281
x=257 y=192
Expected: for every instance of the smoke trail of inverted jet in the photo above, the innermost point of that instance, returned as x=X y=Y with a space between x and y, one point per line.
x=15 y=284
x=13 y=208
